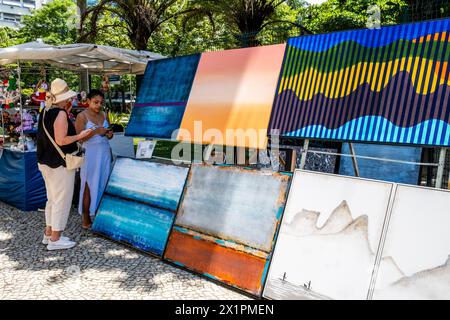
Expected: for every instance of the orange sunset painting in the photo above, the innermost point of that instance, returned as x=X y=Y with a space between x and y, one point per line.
x=233 y=90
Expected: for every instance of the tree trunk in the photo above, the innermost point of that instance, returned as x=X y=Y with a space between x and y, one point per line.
x=82 y=6
x=140 y=42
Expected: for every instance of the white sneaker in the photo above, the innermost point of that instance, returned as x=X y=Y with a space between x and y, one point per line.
x=62 y=243
x=47 y=238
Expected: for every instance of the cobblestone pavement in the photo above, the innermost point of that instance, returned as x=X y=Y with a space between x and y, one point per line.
x=95 y=269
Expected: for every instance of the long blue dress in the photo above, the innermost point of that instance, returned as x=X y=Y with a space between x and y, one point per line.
x=95 y=169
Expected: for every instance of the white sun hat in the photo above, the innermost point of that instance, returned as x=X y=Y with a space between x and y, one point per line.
x=59 y=91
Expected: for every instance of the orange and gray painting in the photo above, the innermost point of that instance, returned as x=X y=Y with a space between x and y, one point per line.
x=227 y=223
x=234 y=89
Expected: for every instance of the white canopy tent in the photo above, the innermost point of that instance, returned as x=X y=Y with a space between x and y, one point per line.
x=92 y=58
x=96 y=59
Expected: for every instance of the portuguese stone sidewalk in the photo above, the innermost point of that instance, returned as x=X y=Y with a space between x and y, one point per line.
x=95 y=269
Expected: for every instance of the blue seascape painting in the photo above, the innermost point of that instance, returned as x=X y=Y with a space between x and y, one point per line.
x=140 y=203
x=156 y=184
x=142 y=226
x=155 y=121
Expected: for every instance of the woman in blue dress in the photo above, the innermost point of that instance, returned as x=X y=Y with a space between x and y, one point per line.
x=97 y=165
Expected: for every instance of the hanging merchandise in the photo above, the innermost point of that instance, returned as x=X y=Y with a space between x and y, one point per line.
x=9 y=93
x=74 y=102
x=12 y=84
x=39 y=95
x=28 y=122
x=42 y=72
x=82 y=100
x=105 y=84
x=2 y=93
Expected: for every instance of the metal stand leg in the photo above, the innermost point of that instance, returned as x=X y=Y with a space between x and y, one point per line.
x=207 y=153
x=304 y=154
x=240 y=155
x=293 y=163
x=229 y=155
x=274 y=152
x=440 y=172
x=354 y=160
x=253 y=156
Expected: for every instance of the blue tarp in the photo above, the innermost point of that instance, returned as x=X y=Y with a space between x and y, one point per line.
x=21 y=183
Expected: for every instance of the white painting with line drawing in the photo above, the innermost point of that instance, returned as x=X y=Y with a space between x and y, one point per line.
x=329 y=238
x=418 y=240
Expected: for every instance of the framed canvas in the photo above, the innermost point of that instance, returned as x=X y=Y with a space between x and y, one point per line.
x=388 y=85
x=162 y=97
x=232 y=97
x=329 y=237
x=415 y=260
x=140 y=203
x=227 y=223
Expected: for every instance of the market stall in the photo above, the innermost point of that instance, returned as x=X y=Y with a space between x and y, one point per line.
x=21 y=184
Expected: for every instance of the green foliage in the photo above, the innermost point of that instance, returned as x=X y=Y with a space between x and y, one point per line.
x=114 y=118
x=180 y=27
x=176 y=37
x=336 y=15
x=8 y=37
x=55 y=23
x=111 y=31
x=27 y=92
x=119 y=118
x=187 y=27
x=209 y=25
x=138 y=19
x=242 y=16
x=245 y=21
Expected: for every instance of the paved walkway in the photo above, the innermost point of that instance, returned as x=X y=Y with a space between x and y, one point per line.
x=95 y=269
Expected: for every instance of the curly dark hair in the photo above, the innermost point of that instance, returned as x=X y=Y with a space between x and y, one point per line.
x=95 y=93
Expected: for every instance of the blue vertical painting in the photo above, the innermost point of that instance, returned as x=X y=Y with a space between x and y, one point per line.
x=140 y=203
x=383 y=170
x=162 y=97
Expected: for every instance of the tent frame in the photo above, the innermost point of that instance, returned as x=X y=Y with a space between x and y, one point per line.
x=12 y=55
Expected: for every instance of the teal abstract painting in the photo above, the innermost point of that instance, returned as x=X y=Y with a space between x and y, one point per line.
x=140 y=203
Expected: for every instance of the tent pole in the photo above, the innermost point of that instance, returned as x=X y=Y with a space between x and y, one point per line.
x=3 y=127
x=88 y=85
x=131 y=89
x=21 y=106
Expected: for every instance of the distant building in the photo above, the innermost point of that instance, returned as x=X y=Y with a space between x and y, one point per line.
x=11 y=11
